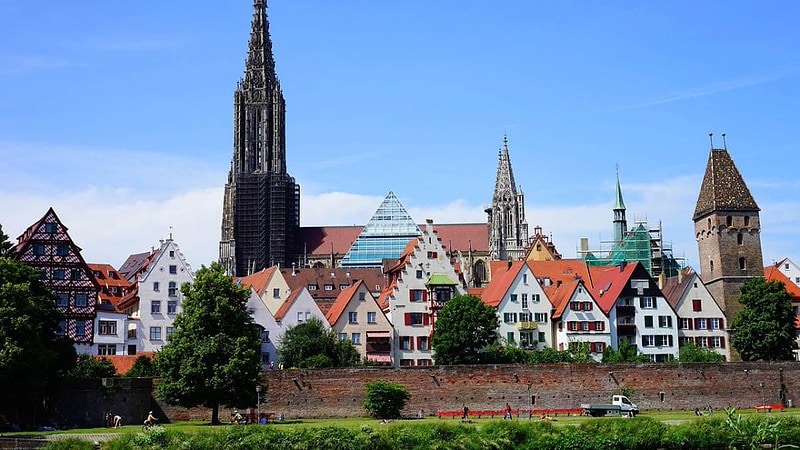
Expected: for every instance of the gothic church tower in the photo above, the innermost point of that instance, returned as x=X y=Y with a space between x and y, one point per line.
x=620 y=222
x=508 y=230
x=261 y=206
x=728 y=232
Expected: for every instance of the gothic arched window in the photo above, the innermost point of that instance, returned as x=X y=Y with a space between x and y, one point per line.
x=479 y=271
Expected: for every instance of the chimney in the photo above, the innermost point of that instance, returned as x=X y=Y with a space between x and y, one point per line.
x=584 y=246
x=662 y=280
x=509 y=264
x=622 y=265
x=680 y=273
x=294 y=270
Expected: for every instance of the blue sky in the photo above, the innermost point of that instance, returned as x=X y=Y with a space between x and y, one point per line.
x=118 y=114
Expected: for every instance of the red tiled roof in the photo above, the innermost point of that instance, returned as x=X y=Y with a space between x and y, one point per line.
x=258 y=280
x=109 y=277
x=772 y=273
x=287 y=304
x=562 y=270
x=302 y=278
x=123 y=363
x=462 y=236
x=383 y=299
x=609 y=283
x=675 y=287
x=341 y=302
x=501 y=282
x=560 y=294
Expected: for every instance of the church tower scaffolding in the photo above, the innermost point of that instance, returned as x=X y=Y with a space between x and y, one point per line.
x=261 y=204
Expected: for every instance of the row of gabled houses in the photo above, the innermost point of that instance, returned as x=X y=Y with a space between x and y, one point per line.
x=389 y=314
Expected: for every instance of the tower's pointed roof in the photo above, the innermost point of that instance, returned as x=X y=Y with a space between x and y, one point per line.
x=385 y=235
x=260 y=66
x=505 y=176
x=618 y=203
x=723 y=187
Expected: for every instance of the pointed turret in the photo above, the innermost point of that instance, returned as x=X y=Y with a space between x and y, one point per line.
x=508 y=229
x=260 y=65
x=723 y=187
x=620 y=223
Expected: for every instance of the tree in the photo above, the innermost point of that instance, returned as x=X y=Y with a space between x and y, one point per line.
x=6 y=247
x=764 y=329
x=310 y=345
x=88 y=366
x=143 y=367
x=465 y=327
x=213 y=357
x=30 y=348
x=690 y=353
x=385 y=400
x=625 y=353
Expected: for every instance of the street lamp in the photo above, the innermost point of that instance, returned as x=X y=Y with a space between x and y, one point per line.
x=258 y=403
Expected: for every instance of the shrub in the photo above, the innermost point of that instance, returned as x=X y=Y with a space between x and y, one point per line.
x=385 y=400
x=69 y=444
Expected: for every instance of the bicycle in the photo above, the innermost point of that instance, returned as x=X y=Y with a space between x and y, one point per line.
x=150 y=425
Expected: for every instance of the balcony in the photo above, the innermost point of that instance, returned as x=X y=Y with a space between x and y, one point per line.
x=436 y=305
x=626 y=329
x=527 y=325
x=626 y=310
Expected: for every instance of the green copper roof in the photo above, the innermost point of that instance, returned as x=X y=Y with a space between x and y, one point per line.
x=618 y=203
x=440 y=279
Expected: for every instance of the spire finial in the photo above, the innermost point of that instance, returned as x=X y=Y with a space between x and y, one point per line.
x=724 y=143
x=711 y=137
x=505 y=141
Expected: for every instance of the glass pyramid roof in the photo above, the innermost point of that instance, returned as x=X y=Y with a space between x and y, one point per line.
x=385 y=236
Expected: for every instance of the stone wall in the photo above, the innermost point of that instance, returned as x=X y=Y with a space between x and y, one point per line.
x=84 y=402
x=657 y=387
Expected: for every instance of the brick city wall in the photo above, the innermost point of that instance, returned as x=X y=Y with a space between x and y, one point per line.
x=658 y=387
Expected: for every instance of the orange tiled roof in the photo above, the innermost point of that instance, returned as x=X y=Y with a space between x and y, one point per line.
x=302 y=278
x=258 y=280
x=609 y=283
x=287 y=304
x=501 y=281
x=562 y=270
x=383 y=299
x=108 y=277
x=123 y=363
x=560 y=295
x=341 y=302
x=772 y=273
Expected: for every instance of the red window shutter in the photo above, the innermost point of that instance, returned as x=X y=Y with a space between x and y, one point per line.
x=708 y=324
x=722 y=342
x=424 y=296
x=722 y=323
x=591 y=326
x=408 y=318
x=411 y=343
x=690 y=322
x=418 y=342
x=426 y=319
x=411 y=295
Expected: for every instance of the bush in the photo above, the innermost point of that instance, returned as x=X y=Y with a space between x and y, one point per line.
x=69 y=444
x=142 y=367
x=385 y=400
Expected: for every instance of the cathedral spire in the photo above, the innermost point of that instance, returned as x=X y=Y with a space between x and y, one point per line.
x=620 y=222
x=508 y=230
x=260 y=65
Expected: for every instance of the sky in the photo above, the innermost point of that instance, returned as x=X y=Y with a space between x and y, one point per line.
x=118 y=114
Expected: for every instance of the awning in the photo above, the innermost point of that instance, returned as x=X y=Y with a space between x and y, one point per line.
x=440 y=279
x=379 y=358
x=379 y=334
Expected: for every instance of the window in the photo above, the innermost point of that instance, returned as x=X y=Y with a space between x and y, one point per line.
x=362 y=296
x=170 y=330
x=155 y=307
x=714 y=323
x=75 y=274
x=728 y=220
x=684 y=324
x=172 y=307
x=524 y=301
x=535 y=298
x=510 y=317
x=342 y=336
x=419 y=273
x=355 y=338
x=417 y=295
x=156 y=286
x=406 y=363
x=700 y=324
x=597 y=347
x=423 y=343
x=663 y=340
x=416 y=318
x=586 y=306
x=665 y=321
x=575 y=306
x=173 y=289
x=38 y=249
x=717 y=342
x=80 y=328
x=300 y=316
x=58 y=274
x=50 y=228
x=81 y=299
x=648 y=321
x=541 y=336
x=648 y=302
x=747 y=221
x=312 y=287
x=514 y=298
x=742 y=263
x=107 y=327
x=406 y=343
x=526 y=317
x=155 y=333
x=540 y=317
x=433 y=255
x=697 y=305
x=173 y=269
x=711 y=265
x=62 y=328
x=599 y=325
x=264 y=336
x=584 y=326
x=276 y=293
x=648 y=341
x=352 y=317
x=132 y=333
x=265 y=358
x=106 y=349
x=510 y=337
x=329 y=287
x=740 y=239
x=62 y=250
x=371 y=317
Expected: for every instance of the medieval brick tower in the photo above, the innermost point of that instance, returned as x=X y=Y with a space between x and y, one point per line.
x=261 y=209
x=728 y=232
x=508 y=230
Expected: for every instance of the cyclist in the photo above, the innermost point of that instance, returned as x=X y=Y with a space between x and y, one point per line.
x=151 y=420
